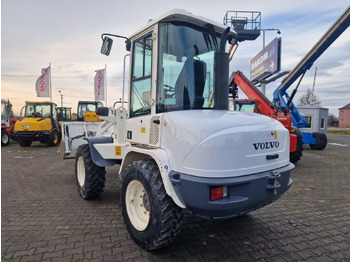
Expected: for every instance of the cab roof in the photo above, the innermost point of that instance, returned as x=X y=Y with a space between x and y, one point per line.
x=184 y=16
x=40 y=102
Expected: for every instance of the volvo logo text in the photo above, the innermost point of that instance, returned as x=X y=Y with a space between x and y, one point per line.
x=266 y=145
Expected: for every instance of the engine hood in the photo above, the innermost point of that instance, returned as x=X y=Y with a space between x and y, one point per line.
x=33 y=124
x=213 y=143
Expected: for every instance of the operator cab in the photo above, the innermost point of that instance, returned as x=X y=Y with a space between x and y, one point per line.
x=246 y=105
x=183 y=54
x=40 y=109
x=64 y=114
x=6 y=110
x=87 y=106
x=173 y=64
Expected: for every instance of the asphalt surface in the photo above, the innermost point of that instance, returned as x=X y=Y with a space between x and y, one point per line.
x=43 y=218
x=344 y=138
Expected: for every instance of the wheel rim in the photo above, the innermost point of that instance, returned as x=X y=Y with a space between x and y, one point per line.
x=81 y=171
x=55 y=138
x=4 y=138
x=137 y=205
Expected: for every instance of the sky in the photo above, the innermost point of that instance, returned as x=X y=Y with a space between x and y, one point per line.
x=67 y=35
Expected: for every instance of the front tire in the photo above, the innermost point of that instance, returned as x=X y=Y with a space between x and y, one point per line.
x=90 y=178
x=5 y=138
x=151 y=217
x=53 y=139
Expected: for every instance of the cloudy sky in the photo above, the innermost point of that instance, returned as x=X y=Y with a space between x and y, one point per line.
x=66 y=33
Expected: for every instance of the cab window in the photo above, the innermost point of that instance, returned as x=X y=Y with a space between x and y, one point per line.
x=141 y=77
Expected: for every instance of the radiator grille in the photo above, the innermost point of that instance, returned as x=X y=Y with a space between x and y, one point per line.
x=154 y=131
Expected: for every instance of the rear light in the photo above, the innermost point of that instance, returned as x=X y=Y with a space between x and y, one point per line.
x=218 y=192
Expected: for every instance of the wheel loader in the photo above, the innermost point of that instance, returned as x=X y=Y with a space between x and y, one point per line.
x=39 y=123
x=177 y=144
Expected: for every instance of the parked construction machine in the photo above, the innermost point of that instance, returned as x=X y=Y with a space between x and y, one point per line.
x=39 y=123
x=177 y=144
x=8 y=121
x=281 y=98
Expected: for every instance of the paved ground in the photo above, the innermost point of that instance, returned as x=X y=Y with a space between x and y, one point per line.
x=44 y=219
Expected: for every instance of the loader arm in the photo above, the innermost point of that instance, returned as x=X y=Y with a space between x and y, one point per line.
x=265 y=106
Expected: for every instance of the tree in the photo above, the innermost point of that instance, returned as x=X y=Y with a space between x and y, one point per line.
x=333 y=120
x=309 y=98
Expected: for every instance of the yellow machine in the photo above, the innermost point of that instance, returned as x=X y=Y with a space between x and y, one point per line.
x=87 y=111
x=39 y=123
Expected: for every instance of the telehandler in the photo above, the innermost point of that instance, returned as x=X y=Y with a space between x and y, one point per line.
x=177 y=144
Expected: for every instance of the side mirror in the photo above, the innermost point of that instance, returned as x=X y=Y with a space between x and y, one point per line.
x=106 y=46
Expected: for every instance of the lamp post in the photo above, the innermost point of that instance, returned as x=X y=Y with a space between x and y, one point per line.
x=61 y=98
x=270 y=29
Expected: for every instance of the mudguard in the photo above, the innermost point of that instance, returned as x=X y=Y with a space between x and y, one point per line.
x=96 y=156
x=161 y=158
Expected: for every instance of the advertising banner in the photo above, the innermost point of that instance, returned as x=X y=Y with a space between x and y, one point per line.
x=42 y=85
x=100 y=85
x=267 y=62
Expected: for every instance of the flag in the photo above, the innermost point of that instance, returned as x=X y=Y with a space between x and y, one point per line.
x=42 y=85
x=100 y=85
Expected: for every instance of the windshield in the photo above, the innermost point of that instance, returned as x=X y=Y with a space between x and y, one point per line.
x=185 y=67
x=246 y=107
x=3 y=112
x=38 y=110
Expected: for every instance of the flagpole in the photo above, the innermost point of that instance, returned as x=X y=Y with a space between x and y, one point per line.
x=50 y=84
x=105 y=85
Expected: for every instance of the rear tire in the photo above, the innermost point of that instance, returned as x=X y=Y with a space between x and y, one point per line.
x=5 y=138
x=321 y=141
x=24 y=142
x=151 y=217
x=90 y=178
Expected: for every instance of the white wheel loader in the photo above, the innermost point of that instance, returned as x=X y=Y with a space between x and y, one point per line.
x=177 y=144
